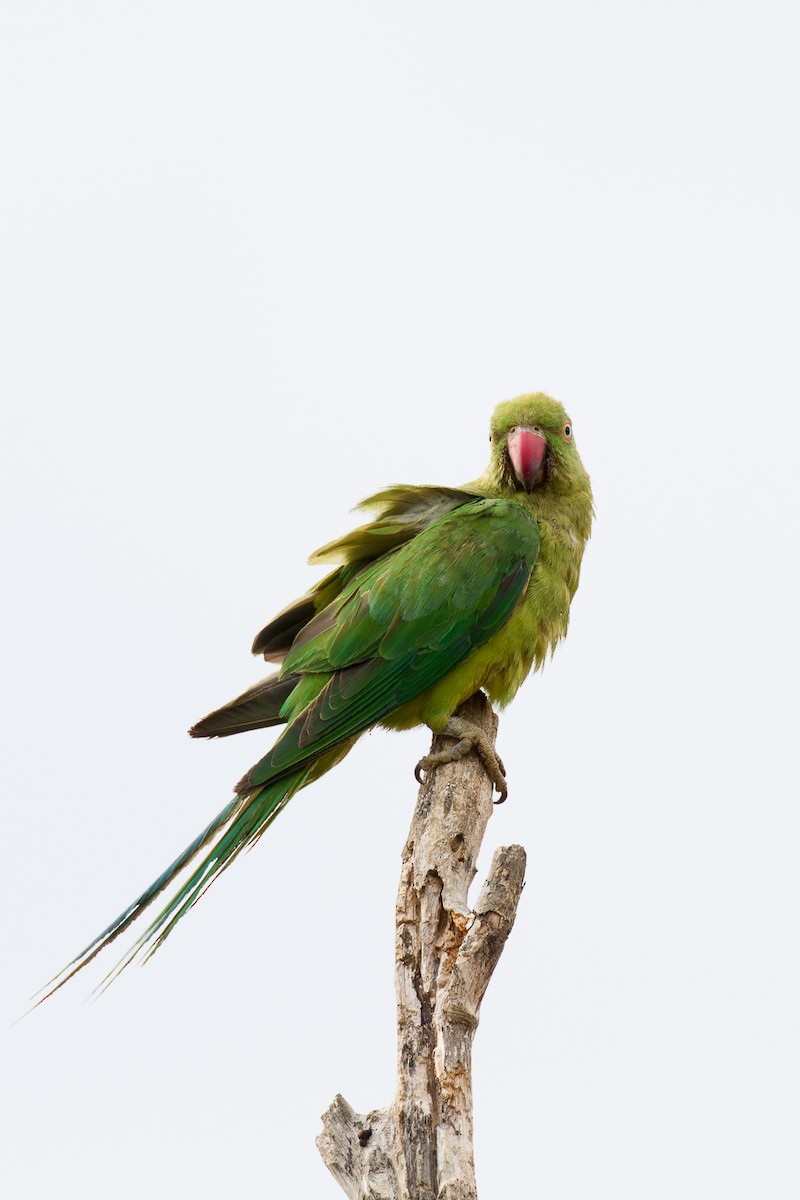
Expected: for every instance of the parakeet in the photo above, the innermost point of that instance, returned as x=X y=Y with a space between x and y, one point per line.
x=443 y=592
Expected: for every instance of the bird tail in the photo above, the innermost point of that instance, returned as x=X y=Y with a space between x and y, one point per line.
x=238 y=827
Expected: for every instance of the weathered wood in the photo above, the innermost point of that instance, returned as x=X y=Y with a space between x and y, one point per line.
x=420 y=1147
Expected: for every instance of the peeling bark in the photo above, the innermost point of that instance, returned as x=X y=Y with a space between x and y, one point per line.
x=420 y=1147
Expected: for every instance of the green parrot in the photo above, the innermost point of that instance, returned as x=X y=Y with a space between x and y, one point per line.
x=444 y=592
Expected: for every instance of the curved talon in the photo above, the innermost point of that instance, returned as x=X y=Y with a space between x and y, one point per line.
x=418 y=775
x=503 y=796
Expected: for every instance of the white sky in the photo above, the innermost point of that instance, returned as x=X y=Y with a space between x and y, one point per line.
x=258 y=261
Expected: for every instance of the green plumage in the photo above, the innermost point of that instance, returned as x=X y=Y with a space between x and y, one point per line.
x=445 y=591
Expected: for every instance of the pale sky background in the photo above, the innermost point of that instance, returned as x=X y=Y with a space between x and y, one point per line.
x=258 y=261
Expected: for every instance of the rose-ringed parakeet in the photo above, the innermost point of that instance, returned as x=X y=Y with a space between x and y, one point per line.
x=445 y=591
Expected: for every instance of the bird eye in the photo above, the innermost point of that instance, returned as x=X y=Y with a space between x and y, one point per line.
x=567 y=431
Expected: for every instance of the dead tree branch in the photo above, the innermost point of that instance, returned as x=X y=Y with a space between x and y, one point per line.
x=420 y=1147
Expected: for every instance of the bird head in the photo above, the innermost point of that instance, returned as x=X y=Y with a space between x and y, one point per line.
x=533 y=448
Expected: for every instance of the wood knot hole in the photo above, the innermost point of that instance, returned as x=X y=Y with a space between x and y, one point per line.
x=363 y=1136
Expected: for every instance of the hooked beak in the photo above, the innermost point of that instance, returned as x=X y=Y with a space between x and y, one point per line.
x=527 y=449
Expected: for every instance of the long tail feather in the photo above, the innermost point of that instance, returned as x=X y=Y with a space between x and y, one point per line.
x=238 y=825
x=257 y=813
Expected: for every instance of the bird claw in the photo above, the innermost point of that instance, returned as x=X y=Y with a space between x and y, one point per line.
x=467 y=737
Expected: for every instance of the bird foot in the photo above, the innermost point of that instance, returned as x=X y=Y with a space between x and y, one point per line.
x=467 y=737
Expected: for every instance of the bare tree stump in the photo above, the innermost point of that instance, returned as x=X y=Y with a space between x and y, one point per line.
x=420 y=1147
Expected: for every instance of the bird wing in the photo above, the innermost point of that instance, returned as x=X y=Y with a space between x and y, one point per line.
x=402 y=512
x=401 y=625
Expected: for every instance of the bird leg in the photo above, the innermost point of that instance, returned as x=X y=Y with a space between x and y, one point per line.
x=467 y=737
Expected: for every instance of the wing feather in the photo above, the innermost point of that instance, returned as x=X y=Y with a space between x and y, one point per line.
x=403 y=512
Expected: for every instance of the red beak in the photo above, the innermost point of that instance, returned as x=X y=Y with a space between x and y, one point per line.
x=527 y=449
